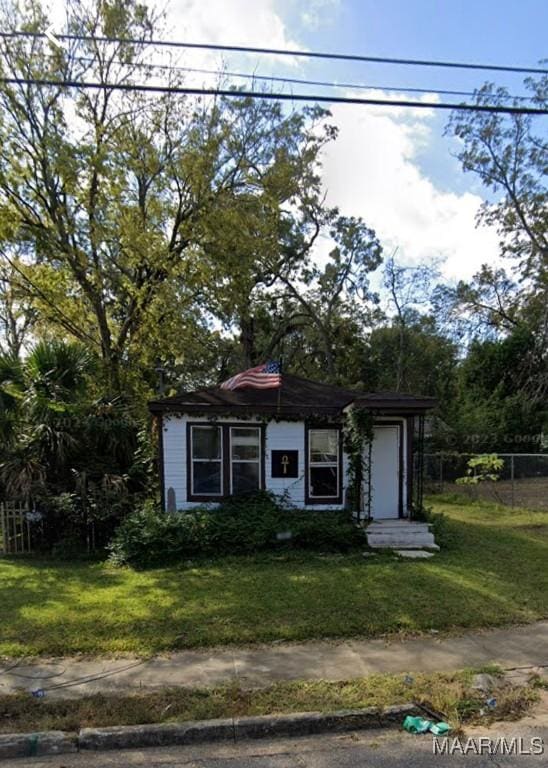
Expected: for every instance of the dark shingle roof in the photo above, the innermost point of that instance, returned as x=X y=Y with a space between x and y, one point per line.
x=296 y=397
x=400 y=400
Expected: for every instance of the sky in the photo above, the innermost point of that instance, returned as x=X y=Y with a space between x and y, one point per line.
x=394 y=168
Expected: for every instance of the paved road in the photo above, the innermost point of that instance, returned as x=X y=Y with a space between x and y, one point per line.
x=391 y=749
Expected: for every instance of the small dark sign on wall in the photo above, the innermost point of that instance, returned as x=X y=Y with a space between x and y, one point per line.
x=285 y=463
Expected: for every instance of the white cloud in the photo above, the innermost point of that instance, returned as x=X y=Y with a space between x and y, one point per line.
x=372 y=171
x=318 y=13
x=232 y=22
x=219 y=21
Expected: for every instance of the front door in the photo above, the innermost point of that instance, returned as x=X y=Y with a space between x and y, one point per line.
x=385 y=472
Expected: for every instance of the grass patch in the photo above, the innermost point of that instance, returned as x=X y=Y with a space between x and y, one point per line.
x=492 y=572
x=449 y=694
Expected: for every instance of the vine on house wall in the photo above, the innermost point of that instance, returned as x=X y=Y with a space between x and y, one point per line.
x=358 y=439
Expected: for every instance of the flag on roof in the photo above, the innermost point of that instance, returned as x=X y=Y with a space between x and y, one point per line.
x=264 y=376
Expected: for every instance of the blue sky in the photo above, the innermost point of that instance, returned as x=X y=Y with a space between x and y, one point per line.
x=497 y=31
x=394 y=168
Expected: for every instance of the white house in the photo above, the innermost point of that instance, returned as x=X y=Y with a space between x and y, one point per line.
x=217 y=442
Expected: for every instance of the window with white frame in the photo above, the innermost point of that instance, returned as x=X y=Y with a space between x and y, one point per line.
x=245 y=459
x=323 y=463
x=207 y=460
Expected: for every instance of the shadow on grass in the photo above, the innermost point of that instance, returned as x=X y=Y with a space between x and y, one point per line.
x=490 y=575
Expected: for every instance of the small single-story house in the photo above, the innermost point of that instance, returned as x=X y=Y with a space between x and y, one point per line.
x=217 y=442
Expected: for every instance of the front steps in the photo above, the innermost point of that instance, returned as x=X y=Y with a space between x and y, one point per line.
x=400 y=534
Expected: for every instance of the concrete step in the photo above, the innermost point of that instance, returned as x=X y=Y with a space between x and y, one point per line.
x=400 y=534
x=394 y=530
x=423 y=544
x=399 y=524
x=393 y=543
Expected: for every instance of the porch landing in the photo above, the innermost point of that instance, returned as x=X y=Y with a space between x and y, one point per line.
x=400 y=534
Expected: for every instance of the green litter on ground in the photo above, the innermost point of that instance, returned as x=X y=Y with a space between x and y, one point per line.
x=421 y=725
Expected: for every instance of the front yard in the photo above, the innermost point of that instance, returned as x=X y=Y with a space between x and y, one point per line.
x=493 y=571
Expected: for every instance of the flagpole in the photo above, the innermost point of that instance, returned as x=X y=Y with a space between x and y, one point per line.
x=281 y=383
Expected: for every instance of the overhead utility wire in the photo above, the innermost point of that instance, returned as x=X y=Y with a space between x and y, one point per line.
x=300 y=81
x=265 y=95
x=285 y=52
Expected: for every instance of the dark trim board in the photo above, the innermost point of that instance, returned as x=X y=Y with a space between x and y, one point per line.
x=225 y=437
x=161 y=473
x=410 y=426
x=315 y=500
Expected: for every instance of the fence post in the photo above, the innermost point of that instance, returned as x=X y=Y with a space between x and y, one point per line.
x=512 y=476
x=4 y=523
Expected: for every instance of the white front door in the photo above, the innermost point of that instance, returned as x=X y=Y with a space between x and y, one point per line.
x=385 y=472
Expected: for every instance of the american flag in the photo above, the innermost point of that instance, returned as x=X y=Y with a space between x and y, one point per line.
x=265 y=376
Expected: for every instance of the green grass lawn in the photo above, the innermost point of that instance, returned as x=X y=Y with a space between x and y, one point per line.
x=452 y=695
x=492 y=571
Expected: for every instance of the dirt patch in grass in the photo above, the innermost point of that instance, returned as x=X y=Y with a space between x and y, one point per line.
x=451 y=695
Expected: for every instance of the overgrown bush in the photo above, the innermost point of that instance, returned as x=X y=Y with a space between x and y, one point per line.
x=440 y=525
x=240 y=525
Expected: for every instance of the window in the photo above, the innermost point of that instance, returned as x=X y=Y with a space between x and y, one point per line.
x=207 y=461
x=223 y=459
x=323 y=463
x=245 y=459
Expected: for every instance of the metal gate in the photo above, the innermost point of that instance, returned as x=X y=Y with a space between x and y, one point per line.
x=15 y=535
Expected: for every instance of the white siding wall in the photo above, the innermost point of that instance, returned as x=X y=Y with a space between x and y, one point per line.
x=283 y=435
x=174 y=448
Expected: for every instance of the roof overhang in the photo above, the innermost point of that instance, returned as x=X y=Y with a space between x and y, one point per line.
x=408 y=404
x=241 y=411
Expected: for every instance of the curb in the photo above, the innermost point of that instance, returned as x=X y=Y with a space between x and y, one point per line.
x=37 y=744
x=194 y=732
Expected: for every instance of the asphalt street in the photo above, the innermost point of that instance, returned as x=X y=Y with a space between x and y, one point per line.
x=388 y=749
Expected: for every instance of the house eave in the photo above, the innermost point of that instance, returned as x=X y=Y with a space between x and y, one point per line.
x=242 y=411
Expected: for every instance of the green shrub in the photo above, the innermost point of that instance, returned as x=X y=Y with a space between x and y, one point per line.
x=439 y=525
x=240 y=525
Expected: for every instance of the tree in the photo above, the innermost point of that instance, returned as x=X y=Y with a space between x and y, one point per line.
x=511 y=161
x=491 y=407
x=106 y=191
x=17 y=315
x=408 y=287
x=429 y=366
x=242 y=237
x=135 y=210
x=510 y=157
x=338 y=289
x=43 y=395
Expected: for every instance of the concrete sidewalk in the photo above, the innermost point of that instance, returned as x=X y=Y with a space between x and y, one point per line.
x=259 y=666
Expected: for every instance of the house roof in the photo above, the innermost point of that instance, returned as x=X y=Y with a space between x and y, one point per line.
x=394 y=400
x=296 y=397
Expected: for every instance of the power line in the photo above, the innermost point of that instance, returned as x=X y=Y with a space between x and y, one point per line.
x=300 y=81
x=266 y=95
x=285 y=52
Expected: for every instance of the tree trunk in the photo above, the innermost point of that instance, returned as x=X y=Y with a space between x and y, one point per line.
x=247 y=341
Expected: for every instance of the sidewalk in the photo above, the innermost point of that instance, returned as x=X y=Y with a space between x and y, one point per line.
x=263 y=665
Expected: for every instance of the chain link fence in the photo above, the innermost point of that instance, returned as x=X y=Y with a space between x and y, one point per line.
x=523 y=480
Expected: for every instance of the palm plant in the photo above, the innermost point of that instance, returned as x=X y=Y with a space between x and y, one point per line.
x=74 y=454
x=11 y=394
x=40 y=399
